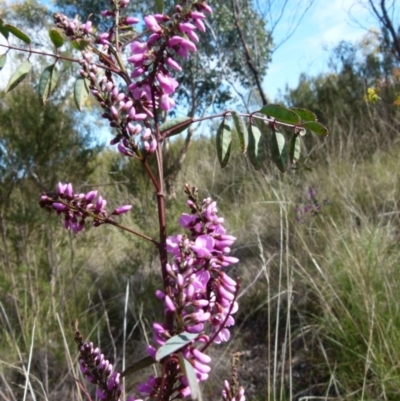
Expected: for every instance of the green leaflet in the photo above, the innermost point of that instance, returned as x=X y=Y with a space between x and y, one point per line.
x=174 y=344
x=279 y=150
x=281 y=113
x=81 y=92
x=255 y=148
x=241 y=131
x=224 y=143
x=18 y=76
x=48 y=82
x=316 y=127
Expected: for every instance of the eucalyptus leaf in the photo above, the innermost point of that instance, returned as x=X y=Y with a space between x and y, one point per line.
x=241 y=131
x=48 y=82
x=18 y=76
x=175 y=125
x=224 y=143
x=81 y=92
x=316 y=127
x=255 y=148
x=281 y=113
x=18 y=33
x=190 y=374
x=56 y=37
x=138 y=365
x=294 y=148
x=174 y=344
x=279 y=150
x=304 y=114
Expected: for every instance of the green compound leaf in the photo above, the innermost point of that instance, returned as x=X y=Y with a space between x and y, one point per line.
x=294 y=148
x=190 y=374
x=18 y=33
x=81 y=92
x=281 y=114
x=18 y=76
x=224 y=143
x=174 y=344
x=56 y=37
x=279 y=150
x=138 y=365
x=48 y=82
x=305 y=115
x=3 y=59
x=175 y=125
x=3 y=30
x=255 y=148
x=241 y=131
x=316 y=127
x=159 y=6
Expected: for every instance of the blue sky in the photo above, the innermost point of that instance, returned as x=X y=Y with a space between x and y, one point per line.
x=324 y=26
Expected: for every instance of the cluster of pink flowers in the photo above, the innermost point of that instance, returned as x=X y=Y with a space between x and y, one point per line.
x=98 y=370
x=230 y=393
x=76 y=207
x=153 y=59
x=73 y=29
x=203 y=295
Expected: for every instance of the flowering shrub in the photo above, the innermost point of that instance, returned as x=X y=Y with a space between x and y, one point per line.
x=198 y=296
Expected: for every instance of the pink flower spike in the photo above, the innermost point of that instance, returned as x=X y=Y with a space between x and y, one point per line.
x=169 y=304
x=188 y=45
x=69 y=191
x=203 y=358
x=131 y=20
x=207 y=8
x=153 y=38
x=59 y=207
x=87 y=28
x=200 y=25
x=193 y=36
x=186 y=27
x=167 y=83
x=197 y=15
x=200 y=367
x=90 y=196
x=173 y=64
x=140 y=116
x=153 y=146
x=175 y=40
x=152 y=23
x=121 y=210
x=138 y=47
x=166 y=102
x=61 y=188
x=182 y=52
x=100 y=394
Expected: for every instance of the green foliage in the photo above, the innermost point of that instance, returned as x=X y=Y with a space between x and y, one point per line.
x=56 y=37
x=81 y=92
x=241 y=131
x=17 y=33
x=224 y=143
x=18 y=76
x=48 y=82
